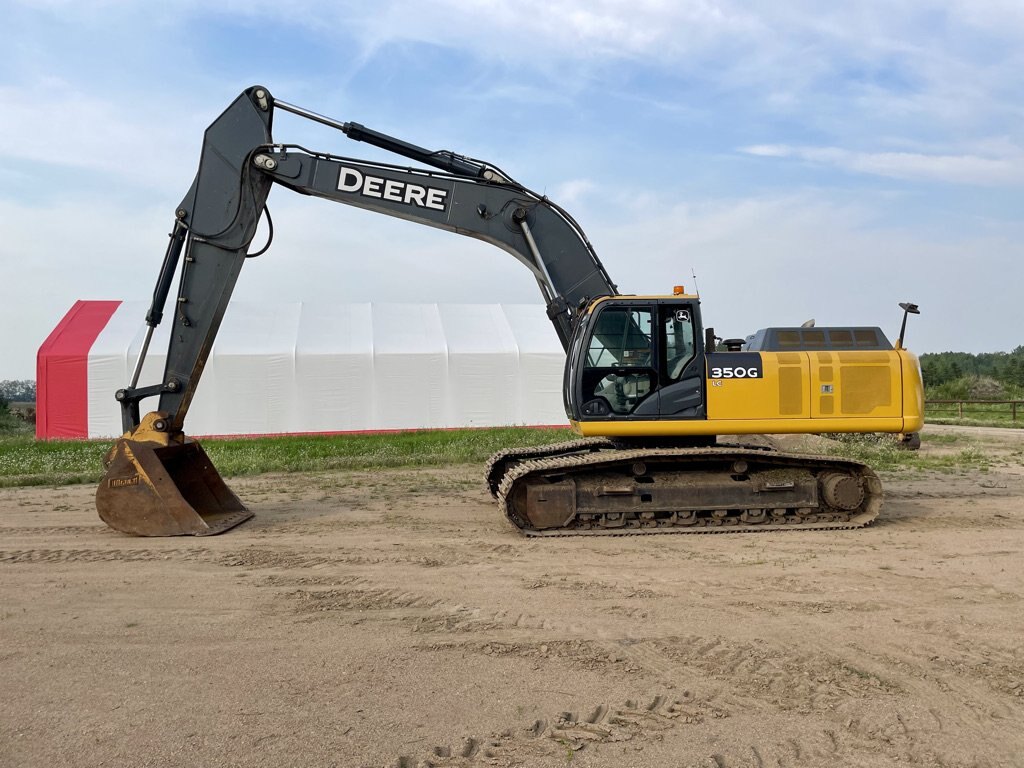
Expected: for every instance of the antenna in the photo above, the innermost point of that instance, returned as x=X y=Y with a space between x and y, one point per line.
x=908 y=309
x=696 y=290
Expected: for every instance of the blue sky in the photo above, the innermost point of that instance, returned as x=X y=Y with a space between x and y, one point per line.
x=803 y=161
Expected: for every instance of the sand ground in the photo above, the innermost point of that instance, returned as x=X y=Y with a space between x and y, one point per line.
x=394 y=619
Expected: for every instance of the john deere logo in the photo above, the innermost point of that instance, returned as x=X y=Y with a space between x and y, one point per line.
x=351 y=180
x=123 y=482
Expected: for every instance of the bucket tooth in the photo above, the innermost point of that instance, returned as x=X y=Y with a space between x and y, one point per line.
x=161 y=485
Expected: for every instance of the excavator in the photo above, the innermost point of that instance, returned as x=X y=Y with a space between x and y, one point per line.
x=648 y=389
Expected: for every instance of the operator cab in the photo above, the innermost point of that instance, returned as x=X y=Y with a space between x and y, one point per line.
x=637 y=358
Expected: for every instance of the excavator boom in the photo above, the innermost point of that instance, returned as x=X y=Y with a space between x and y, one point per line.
x=159 y=482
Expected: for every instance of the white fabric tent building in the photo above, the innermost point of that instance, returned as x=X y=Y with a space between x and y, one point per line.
x=312 y=368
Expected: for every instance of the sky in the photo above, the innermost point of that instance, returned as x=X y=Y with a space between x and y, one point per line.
x=801 y=160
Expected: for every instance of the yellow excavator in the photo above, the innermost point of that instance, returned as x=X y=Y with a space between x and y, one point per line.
x=647 y=387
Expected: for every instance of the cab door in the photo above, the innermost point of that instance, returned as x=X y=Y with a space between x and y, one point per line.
x=681 y=371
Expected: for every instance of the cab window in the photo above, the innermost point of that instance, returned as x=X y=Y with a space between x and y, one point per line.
x=618 y=369
x=679 y=345
x=621 y=338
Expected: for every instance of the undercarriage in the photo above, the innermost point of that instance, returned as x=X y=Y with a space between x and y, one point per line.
x=597 y=487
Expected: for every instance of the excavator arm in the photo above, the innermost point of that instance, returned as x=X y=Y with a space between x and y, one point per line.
x=240 y=162
x=161 y=483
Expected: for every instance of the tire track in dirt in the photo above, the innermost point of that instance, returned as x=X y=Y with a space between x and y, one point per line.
x=975 y=685
x=54 y=530
x=740 y=676
x=559 y=737
x=251 y=557
x=761 y=673
x=766 y=673
x=19 y=556
x=994 y=490
x=744 y=677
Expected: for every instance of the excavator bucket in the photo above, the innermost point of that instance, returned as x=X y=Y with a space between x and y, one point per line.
x=156 y=485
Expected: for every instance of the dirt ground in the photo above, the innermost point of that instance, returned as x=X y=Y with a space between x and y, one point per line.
x=394 y=619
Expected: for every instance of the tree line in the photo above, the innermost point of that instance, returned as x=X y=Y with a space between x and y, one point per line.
x=18 y=391
x=23 y=391
x=940 y=368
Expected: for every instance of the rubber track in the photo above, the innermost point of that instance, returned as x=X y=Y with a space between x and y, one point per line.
x=607 y=459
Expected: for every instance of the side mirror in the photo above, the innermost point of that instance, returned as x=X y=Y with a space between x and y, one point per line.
x=709 y=340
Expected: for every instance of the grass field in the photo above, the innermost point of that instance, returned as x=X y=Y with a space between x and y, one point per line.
x=26 y=461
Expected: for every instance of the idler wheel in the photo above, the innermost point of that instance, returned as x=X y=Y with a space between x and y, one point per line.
x=842 y=491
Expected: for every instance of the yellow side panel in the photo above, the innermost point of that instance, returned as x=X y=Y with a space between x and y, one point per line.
x=792 y=391
x=780 y=393
x=868 y=390
x=819 y=385
x=856 y=384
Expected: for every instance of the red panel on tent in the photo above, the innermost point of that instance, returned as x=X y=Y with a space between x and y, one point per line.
x=62 y=371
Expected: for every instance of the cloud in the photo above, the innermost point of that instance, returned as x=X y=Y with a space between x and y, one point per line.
x=780 y=259
x=925 y=66
x=782 y=41
x=1005 y=169
x=569 y=193
x=51 y=122
x=768 y=150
